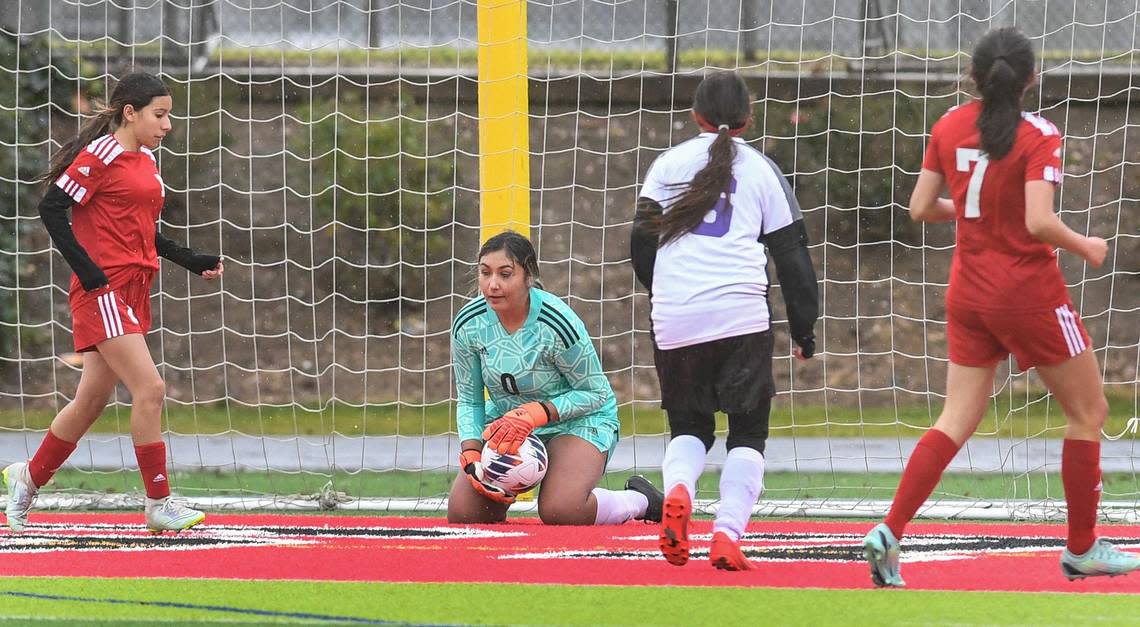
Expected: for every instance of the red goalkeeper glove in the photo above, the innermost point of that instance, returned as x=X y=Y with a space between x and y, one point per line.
x=507 y=434
x=471 y=464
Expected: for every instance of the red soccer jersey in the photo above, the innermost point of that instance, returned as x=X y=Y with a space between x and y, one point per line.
x=118 y=195
x=998 y=265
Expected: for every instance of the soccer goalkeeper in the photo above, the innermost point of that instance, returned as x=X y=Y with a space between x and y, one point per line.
x=533 y=356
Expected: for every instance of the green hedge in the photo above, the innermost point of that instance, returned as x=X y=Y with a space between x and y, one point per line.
x=28 y=98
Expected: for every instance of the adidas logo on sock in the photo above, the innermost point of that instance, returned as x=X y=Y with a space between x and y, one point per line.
x=159 y=477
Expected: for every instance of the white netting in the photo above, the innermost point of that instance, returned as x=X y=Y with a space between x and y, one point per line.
x=330 y=151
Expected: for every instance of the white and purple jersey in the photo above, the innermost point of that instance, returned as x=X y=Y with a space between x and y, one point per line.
x=711 y=283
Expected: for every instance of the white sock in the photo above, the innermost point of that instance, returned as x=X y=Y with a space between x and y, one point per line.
x=683 y=464
x=741 y=482
x=618 y=506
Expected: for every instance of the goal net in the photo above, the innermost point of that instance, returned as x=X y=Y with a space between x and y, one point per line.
x=331 y=152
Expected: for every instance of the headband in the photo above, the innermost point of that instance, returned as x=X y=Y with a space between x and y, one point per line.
x=706 y=126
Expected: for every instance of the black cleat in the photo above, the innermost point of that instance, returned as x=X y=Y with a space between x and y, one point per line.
x=656 y=497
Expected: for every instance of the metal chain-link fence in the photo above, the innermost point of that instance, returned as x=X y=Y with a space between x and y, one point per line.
x=1092 y=29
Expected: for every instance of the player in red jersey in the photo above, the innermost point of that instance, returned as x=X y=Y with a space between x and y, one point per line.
x=1006 y=295
x=108 y=178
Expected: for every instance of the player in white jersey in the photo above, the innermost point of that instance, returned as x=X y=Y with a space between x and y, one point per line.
x=711 y=211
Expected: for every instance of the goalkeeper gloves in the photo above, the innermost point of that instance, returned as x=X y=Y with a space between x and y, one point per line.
x=507 y=433
x=471 y=463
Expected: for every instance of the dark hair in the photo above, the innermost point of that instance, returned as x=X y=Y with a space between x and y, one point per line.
x=136 y=89
x=1002 y=66
x=722 y=105
x=518 y=249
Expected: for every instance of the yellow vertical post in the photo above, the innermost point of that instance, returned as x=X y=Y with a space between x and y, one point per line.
x=504 y=138
x=504 y=144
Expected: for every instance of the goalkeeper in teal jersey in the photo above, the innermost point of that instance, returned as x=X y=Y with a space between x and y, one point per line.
x=533 y=356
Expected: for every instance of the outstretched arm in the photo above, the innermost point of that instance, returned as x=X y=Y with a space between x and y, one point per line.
x=186 y=257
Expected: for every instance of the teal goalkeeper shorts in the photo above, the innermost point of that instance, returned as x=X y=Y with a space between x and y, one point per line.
x=602 y=436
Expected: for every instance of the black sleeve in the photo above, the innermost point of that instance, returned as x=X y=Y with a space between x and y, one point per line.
x=53 y=213
x=788 y=248
x=183 y=256
x=642 y=243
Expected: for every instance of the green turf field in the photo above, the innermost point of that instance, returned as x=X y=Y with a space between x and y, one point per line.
x=180 y=601
x=1030 y=415
x=403 y=484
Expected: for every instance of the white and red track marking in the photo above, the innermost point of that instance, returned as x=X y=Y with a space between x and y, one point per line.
x=1015 y=557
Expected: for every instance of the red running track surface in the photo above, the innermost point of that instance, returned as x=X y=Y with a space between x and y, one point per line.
x=794 y=554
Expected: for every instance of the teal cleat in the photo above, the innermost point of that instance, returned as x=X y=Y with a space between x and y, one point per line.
x=21 y=495
x=881 y=550
x=1102 y=558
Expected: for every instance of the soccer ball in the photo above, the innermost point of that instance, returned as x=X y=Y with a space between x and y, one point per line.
x=517 y=473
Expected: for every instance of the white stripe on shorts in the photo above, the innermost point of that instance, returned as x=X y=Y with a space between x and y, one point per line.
x=112 y=322
x=1071 y=330
x=115 y=311
x=103 y=315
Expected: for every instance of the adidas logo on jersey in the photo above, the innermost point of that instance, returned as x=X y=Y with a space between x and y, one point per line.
x=159 y=477
x=84 y=170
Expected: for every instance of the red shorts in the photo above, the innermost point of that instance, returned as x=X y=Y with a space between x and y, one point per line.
x=120 y=309
x=1036 y=338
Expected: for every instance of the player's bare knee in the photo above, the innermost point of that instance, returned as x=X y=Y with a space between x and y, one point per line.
x=1087 y=420
x=563 y=514
x=458 y=517
x=1096 y=414
x=473 y=518
x=149 y=395
x=88 y=407
x=462 y=512
x=455 y=515
x=549 y=513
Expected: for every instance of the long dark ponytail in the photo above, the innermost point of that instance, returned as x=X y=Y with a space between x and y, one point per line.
x=722 y=106
x=1002 y=66
x=136 y=89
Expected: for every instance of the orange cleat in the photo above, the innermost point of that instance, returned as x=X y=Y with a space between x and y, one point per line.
x=675 y=513
x=725 y=554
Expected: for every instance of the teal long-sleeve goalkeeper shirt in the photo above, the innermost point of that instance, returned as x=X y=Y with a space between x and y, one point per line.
x=549 y=358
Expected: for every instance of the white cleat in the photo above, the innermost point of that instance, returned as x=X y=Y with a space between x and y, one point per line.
x=1102 y=559
x=169 y=514
x=21 y=495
